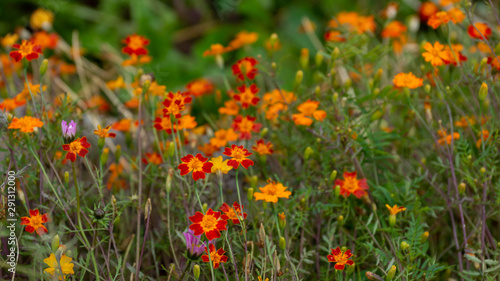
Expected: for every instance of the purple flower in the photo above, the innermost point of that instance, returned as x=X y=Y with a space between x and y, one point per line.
x=193 y=244
x=68 y=131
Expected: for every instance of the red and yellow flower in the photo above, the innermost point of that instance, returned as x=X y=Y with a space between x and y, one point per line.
x=152 y=158
x=209 y=224
x=222 y=137
x=340 y=259
x=200 y=87
x=104 y=132
x=35 y=222
x=135 y=45
x=245 y=68
x=480 y=30
x=263 y=148
x=395 y=209
x=247 y=95
x=196 y=164
x=76 y=147
x=393 y=30
x=215 y=256
x=26 y=50
x=239 y=155
x=175 y=104
x=235 y=214
x=245 y=126
x=351 y=185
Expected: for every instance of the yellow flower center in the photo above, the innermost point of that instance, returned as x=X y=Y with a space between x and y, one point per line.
x=351 y=184
x=195 y=164
x=135 y=42
x=75 y=147
x=26 y=48
x=246 y=125
x=208 y=223
x=36 y=221
x=238 y=154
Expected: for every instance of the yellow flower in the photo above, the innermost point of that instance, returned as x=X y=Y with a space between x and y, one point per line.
x=220 y=166
x=395 y=209
x=9 y=40
x=271 y=192
x=41 y=18
x=66 y=267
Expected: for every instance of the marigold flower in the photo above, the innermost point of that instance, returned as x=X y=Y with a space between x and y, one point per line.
x=220 y=166
x=119 y=83
x=222 y=137
x=115 y=170
x=446 y=139
x=247 y=96
x=63 y=266
x=235 y=213
x=444 y=3
x=245 y=68
x=165 y=124
x=41 y=18
x=351 y=185
x=77 y=147
x=9 y=40
x=438 y=19
x=135 y=59
x=34 y=89
x=263 y=148
x=480 y=30
x=200 y=87
x=354 y=22
x=122 y=125
x=334 y=36
x=196 y=164
x=483 y=135
x=276 y=101
x=230 y=108
x=208 y=149
x=216 y=50
x=243 y=38
x=135 y=45
x=408 y=80
x=239 y=155
x=99 y=103
x=340 y=259
x=456 y=15
x=175 y=104
x=427 y=9
x=393 y=30
x=11 y=104
x=272 y=191
x=245 y=126
x=35 y=222
x=215 y=256
x=436 y=54
x=26 y=50
x=25 y=124
x=307 y=110
x=104 y=132
x=45 y=40
x=210 y=224
x=395 y=209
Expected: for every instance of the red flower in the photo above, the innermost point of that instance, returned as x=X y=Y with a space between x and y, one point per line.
x=78 y=146
x=245 y=68
x=175 y=104
x=209 y=223
x=245 y=126
x=198 y=165
x=135 y=45
x=26 y=50
x=235 y=213
x=247 y=95
x=484 y=29
x=351 y=185
x=238 y=156
x=35 y=222
x=215 y=256
x=340 y=259
x=263 y=148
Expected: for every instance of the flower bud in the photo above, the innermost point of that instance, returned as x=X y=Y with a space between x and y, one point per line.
x=196 y=271
x=392 y=220
x=204 y=207
x=169 y=179
x=273 y=65
x=340 y=219
x=427 y=88
x=219 y=60
x=250 y=194
x=318 y=59
x=391 y=273
x=308 y=152
x=43 y=67
x=378 y=75
x=333 y=175
x=263 y=132
x=483 y=91
x=253 y=181
x=335 y=53
x=304 y=58
x=282 y=243
x=483 y=170
x=262 y=233
x=317 y=91
x=299 y=76
x=461 y=188
x=147 y=208
x=118 y=153
x=337 y=190
x=282 y=220
x=66 y=177
x=55 y=243
x=335 y=97
x=171 y=149
x=273 y=39
x=424 y=237
x=104 y=155
x=404 y=245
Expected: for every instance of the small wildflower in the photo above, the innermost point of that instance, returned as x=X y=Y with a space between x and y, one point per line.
x=196 y=164
x=235 y=214
x=104 y=132
x=193 y=244
x=215 y=256
x=135 y=44
x=210 y=224
x=480 y=30
x=69 y=132
x=263 y=148
x=408 y=80
x=239 y=155
x=25 y=124
x=247 y=95
x=77 y=147
x=436 y=54
x=220 y=166
x=34 y=223
x=245 y=68
x=340 y=258
x=26 y=50
x=245 y=126
x=351 y=185
x=271 y=192
x=64 y=266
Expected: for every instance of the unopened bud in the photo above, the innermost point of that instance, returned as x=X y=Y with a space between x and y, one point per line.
x=424 y=237
x=378 y=75
x=335 y=53
x=317 y=91
x=253 y=181
x=461 y=188
x=337 y=190
x=147 y=209
x=196 y=271
x=483 y=91
x=118 y=153
x=282 y=220
x=171 y=149
x=299 y=76
x=308 y=152
x=304 y=58
x=318 y=59
x=101 y=142
x=427 y=88
x=404 y=245
x=273 y=65
x=391 y=273
x=55 y=243
x=104 y=155
x=282 y=243
x=392 y=220
x=264 y=132
x=483 y=170
x=262 y=233
x=273 y=39
x=66 y=177
x=340 y=219
x=335 y=97
x=169 y=180
x=250 y=194
x=43 y=67
x=333 y=175
x=204 y=207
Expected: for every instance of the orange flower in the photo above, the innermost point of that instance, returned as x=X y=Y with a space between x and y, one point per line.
x=187 y=122
x=262 y=148
x=77 y=147
x=351 y=185
x=438 y=19
x=26 y=50
x=235 y=213
x=230 y=108
x=119 y=83
x=35 y=222
x=208 y=149
x=245 y=126
x=427 y=9
x=308 y=110
x=200 y=87
x=445 y=138
x=395 y=209
x=134 y=60
x=271 y=192
x=454 y=54
x=209 y=223
x=435 y=54
x=99 y=103
x=393 y=30
x=481 y=30
x=247 y=95
x=45 y=40
x=35 y=90
x=239 y=155
x=444 y=3
x=354 y=22
x=122 y=125
x=104 y=133
x=164 y=123
x=115 y=170
x=11 y=104
x=340 y=259
x=135 y=44
x=409 y=80
x=216 y=50
x=334 y=36
x=175 y=104
x=215 y=256
x=275 y=102
x=243 y=38
x=197 y=164
x=483 y=135
x=222 y=137
x=456 y=15
x=152 y=158
x=25 y=124
x=245 y=68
